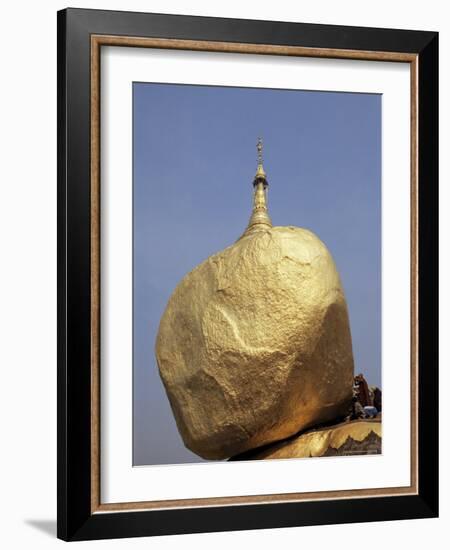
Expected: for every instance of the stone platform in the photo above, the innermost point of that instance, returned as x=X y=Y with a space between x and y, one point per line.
x=357 y=437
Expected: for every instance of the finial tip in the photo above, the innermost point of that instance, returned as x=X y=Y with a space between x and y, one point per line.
x=259 y=147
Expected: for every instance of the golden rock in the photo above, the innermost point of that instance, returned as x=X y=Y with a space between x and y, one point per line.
x=255 y=344
x=326 y=441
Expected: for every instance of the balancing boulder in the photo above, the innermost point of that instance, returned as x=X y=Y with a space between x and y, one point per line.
x=255 y=344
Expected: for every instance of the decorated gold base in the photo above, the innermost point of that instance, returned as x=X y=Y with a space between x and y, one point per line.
x=359 y=437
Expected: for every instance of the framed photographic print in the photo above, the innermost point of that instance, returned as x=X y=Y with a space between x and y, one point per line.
x=247 y=256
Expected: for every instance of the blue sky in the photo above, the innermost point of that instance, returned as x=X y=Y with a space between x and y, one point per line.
x=194 y=161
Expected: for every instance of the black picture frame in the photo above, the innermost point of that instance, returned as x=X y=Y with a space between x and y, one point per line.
x=76 y=521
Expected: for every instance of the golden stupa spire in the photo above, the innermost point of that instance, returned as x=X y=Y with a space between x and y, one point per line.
x=260 y=218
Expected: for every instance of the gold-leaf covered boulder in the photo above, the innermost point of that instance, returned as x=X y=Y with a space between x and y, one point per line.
x=255 y=344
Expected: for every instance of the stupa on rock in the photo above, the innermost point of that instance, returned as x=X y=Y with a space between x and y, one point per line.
x=254 y=345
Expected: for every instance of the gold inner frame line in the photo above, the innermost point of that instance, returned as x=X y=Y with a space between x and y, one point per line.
x=97 y=41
